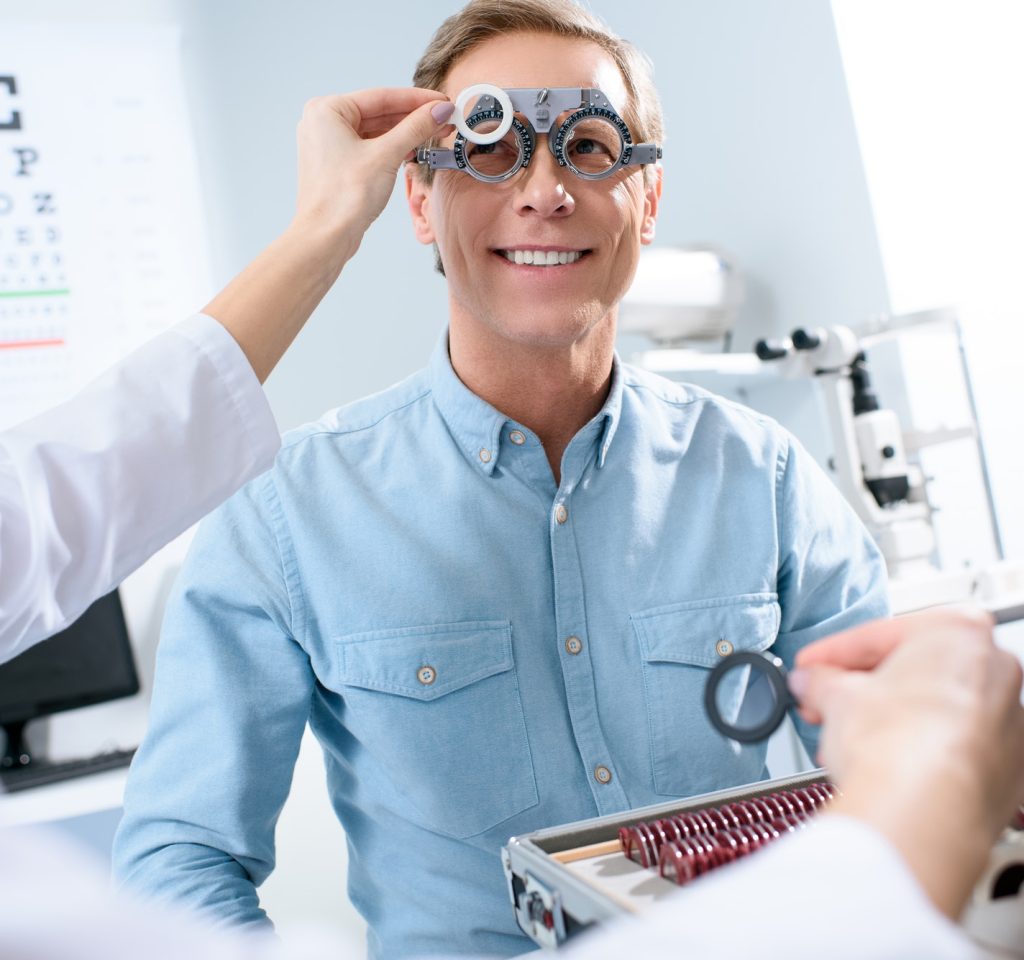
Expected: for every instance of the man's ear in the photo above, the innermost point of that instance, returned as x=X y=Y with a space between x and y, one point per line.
x=652 y=197
x=417 y=194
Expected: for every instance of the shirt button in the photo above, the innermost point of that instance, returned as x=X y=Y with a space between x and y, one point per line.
x=573 y=645
x=723 y=647
x=485 y=455
x=561 y=514
x=426 y=675
x=517 y=437
x=602 y=774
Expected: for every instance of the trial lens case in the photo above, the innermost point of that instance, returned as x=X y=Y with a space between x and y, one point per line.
x=564 y=879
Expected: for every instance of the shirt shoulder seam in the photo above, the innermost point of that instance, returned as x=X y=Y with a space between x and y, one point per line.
x=342 y=431
x=703 y=398
x=286 y=557
x=781 y=467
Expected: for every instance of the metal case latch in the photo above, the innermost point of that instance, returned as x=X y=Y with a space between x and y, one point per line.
x=539 y=911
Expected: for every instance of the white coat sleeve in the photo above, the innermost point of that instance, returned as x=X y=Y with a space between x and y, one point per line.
x=836 y=889
x=92 y=488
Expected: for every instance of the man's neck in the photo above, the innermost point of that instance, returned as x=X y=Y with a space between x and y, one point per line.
x=552 y=390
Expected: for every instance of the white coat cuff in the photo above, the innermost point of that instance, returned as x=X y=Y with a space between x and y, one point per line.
x=241 y=385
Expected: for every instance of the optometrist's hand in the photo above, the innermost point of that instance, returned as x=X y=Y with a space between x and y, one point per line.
x=864 y=647
x=928 y=746
x=351 y=147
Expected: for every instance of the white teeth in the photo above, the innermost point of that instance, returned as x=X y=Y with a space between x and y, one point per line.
x=542 y=258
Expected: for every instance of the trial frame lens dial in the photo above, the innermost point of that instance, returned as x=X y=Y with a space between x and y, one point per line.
x=494 y=161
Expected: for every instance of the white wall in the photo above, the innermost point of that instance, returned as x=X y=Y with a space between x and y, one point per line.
x=936 y=86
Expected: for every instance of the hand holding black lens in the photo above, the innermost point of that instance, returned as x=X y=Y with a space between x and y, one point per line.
x=747 y=694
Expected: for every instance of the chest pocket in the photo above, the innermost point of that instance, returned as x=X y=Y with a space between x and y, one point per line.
x=438 y=709
x=679 y=645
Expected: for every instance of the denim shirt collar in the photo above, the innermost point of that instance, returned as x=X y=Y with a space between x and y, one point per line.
x=477 y=426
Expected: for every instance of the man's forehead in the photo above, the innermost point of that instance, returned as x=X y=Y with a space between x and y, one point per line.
x=537 y=61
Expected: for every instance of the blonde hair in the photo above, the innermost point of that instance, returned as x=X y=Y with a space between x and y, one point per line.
x=480 y=20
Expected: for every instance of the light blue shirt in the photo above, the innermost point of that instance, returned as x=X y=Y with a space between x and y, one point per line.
x=481 y=652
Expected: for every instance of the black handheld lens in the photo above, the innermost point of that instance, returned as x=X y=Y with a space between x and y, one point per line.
x=746 y=697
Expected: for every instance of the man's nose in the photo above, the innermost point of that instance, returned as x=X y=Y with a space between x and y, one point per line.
x=542 y=187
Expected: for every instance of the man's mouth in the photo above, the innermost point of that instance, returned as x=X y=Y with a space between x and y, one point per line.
x=542 y=258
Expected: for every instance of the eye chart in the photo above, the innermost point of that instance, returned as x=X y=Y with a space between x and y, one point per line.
x=101 y=231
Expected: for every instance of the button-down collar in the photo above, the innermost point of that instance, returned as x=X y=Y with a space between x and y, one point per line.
x=477 y=426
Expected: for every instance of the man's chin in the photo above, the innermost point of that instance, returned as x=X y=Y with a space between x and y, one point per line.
x=551 y=331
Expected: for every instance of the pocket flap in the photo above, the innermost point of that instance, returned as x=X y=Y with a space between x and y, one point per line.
x=692 y=633
x=426 y=662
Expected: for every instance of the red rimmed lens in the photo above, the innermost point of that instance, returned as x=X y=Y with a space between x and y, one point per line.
x=704 y=820
x=669 y=828
x=696 y=841
x=741 y=813
x=689 y=825
x=636 y=846
x=718 y=819
x=657 y=830
x=767 y=806
x=676 y=864
x=727 y=848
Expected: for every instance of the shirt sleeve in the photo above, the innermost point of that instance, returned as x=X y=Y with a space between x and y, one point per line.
x=836 y=889
x=831 y=575
x=92 y=488
x=231 y=698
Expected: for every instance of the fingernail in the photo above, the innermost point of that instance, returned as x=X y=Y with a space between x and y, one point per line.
x=442 y=111
x=798 y=681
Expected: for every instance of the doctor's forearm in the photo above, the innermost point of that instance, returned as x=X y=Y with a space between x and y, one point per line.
x=941 y=835
x=268 y=303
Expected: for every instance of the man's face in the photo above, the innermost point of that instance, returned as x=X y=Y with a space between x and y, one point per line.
x=478 y=226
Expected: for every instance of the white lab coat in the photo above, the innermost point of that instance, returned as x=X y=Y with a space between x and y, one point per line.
x=834 y=890
x=91 y=489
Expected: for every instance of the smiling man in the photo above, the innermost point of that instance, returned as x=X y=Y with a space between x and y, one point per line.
x=536 y=264
x=493 y=591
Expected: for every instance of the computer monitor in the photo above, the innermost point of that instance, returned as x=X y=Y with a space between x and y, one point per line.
x=89 y=662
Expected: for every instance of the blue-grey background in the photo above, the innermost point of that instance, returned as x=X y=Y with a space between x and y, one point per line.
x=761 y=159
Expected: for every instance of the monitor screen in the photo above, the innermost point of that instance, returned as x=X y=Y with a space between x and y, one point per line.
x=89 y=662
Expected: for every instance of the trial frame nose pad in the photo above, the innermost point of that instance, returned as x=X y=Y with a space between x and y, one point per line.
x=772 y=670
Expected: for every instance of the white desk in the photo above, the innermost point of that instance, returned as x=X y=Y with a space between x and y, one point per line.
x=95 y=793
x=86 y=810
